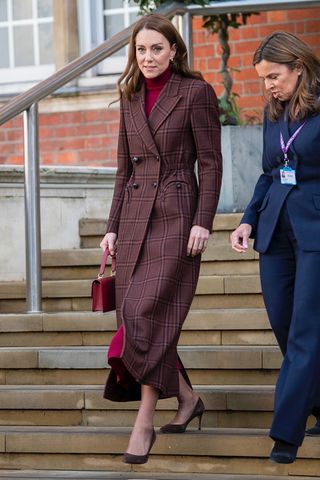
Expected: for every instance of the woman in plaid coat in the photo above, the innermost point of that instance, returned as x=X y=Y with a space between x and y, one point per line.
x=159 y=222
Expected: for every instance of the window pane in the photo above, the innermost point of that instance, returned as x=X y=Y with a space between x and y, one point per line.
x=133 y=17
x=4 y=57
x=112 y=4
x=23 y=45
x=21 y=9
x=113 y=25
x=45 y=8
x=3 y=11
x=45 y=43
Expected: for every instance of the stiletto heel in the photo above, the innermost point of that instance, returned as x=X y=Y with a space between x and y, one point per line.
x=200 y=421
x=181 y=428
x=139 y=459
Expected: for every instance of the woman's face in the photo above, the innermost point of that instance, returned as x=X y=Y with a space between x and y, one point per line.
x=153 y=52
x=279 y=80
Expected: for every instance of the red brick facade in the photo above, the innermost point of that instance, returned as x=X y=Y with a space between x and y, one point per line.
x=89 y=137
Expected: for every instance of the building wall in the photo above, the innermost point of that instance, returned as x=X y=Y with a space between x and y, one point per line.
x=243 y=41
x=82 y=130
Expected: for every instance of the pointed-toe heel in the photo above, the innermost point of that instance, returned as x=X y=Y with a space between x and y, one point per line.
x=140 y=459
x=283 y=452
x=198 y=412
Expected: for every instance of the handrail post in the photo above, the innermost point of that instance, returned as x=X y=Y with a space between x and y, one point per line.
x=187 y=35
x=32 y=210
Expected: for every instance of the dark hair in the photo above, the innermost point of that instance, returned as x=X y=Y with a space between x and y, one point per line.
x=287 y=49
x=131 y=79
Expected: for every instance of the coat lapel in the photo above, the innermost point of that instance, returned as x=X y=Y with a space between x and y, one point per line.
x=166 y=102
x=139 y=119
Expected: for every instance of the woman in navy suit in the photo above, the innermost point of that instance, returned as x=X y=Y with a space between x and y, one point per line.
x=284 y=219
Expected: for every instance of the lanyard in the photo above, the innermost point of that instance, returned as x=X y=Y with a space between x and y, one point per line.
x=285 y=146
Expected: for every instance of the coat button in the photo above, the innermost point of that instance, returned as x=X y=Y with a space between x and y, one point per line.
x=157 y=158
x=135 y=185
x=155 y=184
x=135 y=159
x=178 y=185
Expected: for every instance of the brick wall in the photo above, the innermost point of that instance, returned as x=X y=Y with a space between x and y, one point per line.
x=89 y=137
x=243 y=41
x=86 y=138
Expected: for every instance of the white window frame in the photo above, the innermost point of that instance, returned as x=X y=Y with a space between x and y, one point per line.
x=94 y=34
x=25 y=74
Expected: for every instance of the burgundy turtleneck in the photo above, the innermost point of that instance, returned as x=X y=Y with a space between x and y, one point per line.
x=154 y=87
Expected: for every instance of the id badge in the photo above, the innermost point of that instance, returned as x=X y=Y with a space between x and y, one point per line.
x=288 y=176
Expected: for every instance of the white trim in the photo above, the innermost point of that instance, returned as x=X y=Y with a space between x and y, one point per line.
x=116 y=63
x=10 y=35
x=25 y=74
x=35 y=34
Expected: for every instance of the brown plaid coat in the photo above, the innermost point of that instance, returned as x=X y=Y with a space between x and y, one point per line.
x=156 y=201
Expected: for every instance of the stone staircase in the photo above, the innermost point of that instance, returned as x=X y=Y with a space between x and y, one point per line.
x=54 y=422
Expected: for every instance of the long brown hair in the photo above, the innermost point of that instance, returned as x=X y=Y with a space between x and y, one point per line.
x=285 y=48
x=131 y=79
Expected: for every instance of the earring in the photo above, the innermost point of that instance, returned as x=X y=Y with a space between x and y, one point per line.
x=171 y=59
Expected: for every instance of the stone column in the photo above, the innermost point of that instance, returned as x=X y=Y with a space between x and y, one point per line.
x=66 y=35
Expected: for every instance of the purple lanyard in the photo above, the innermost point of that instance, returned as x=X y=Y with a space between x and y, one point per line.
x=285 y=146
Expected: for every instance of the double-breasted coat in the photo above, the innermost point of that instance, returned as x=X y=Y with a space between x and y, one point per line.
x=156 y=201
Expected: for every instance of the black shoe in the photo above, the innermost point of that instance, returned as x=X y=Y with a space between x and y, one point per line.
x=313 y=431
x=139 y=459
x=283 y=452
x=181 y=428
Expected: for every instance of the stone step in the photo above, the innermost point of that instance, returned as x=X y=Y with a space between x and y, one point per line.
x=92 y=230
x=88 y=365
x=82 y=264
x=79 y=304
x=202 y=327
x=241 y=451
x=245 y=267
x=226 y=406
x=207 y=285
x=86 y=376
x=126 y=475
x=92 y=256
x=94 y=357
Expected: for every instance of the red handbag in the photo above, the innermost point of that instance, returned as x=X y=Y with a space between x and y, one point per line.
x=103 y=288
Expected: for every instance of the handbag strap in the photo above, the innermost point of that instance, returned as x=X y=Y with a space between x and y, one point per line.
x=105 y=255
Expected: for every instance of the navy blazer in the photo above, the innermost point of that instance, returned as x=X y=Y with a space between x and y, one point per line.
x=302 y=200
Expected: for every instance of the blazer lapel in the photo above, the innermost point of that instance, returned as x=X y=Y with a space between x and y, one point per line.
x=166 y=102
x=139 y=119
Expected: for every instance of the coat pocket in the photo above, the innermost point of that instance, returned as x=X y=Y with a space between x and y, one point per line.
x=316 y=201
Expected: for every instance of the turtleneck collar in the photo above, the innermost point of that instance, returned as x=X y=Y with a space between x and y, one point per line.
x=159 y=81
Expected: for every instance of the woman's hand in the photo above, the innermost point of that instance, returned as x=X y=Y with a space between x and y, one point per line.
x=239 y=238
x=109 y=241
x=198 y=240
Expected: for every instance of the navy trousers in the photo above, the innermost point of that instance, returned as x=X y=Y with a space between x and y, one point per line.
x=290 y=279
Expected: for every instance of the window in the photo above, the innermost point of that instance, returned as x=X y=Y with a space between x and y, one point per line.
x=108 y=17
x=26 y=40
